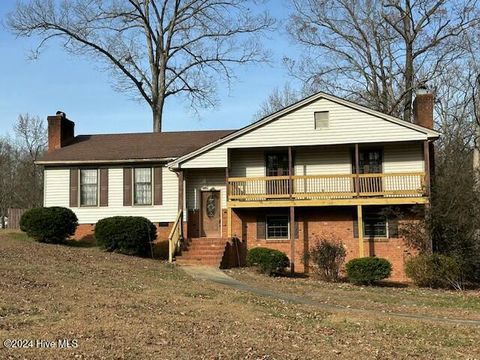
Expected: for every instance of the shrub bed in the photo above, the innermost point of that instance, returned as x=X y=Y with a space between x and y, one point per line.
x=131 y=235
x=435 y=271
x=269 y=261
x=49 y=224
x=368 y=270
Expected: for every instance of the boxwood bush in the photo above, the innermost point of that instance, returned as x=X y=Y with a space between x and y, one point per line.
x=269 y=261
x=434 y=270
x=131 y=235
x=49 y=224
x=368 y=270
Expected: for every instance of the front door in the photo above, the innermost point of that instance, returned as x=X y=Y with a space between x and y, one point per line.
x=210 y=214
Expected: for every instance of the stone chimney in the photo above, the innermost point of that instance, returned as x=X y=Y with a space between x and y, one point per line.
x=423 y=108
x=60 y=131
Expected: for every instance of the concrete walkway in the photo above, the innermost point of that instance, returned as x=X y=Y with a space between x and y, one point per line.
x=219 y=277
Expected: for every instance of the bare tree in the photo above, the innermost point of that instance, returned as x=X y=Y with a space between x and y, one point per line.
x=278 y=99
x=21 y=181
x=378 y=52
x=31 y=143
x=155 y=48
x=31 y=134
x=8 y=156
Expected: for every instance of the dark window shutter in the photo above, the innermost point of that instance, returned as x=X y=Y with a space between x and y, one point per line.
x=261 y=227
x=127 y=186
x=103 y=187
x=157 y=186
x=73 y=187
x=393 y=228
x=355 y=228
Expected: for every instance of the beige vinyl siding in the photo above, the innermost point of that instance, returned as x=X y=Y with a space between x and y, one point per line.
x=57 y=194
x=204 y=179
x=323 y=160
x=346 y=126
x=308 y=161
x=215 y=158
x=402 y=158
x=56 y=187
x=247 y=163
x=331 y=160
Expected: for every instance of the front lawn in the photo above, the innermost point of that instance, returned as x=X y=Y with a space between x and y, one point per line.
x=119 y=307
x=386 y=298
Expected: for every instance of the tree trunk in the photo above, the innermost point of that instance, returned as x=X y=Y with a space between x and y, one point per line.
x=157 y=110
x=409 y=78
x=157 y=120
x=476 y=156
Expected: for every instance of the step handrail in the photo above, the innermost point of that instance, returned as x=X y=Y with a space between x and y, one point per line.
x=175 y=237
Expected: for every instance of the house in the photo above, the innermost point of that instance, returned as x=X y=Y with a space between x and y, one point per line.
x=323 y=166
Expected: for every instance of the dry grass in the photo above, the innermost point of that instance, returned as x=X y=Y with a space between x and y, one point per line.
x=383 y=298
x=124 y=307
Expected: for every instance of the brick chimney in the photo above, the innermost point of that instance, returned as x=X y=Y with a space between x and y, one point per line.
x=60 y=131
x=423 y=108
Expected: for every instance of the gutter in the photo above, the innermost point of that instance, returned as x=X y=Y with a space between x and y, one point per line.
x=125 y=161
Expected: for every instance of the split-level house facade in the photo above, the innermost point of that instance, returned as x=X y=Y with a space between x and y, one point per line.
x=323 y=167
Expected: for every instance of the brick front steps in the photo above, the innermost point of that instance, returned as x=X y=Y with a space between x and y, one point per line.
x=202 y=251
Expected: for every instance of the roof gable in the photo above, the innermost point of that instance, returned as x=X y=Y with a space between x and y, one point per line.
x=294 y=126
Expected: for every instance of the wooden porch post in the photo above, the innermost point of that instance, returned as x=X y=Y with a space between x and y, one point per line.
x=180 y=190
x=292 y=239
x=227 y=192
x=290 y=173
x=180 y=199
x=426 y=159
x=360 y=231
x=292 y=211
x=357 y=170
x=229 y=222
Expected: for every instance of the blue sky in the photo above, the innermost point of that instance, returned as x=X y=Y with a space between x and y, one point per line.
x=59 y=81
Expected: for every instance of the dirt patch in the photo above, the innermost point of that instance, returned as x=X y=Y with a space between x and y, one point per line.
x=121 y=307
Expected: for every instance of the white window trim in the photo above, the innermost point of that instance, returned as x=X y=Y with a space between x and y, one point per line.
x=152 y=182
x=80 y=188
x=315 y=120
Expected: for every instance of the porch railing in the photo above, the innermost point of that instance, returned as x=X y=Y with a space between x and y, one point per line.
x=175 y=237
x=346 y=186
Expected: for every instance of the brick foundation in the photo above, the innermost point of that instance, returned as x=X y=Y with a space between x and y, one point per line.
x=85 y=232
x=332 y=222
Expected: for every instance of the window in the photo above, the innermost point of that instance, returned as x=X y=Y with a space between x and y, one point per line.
x=375 y=224
x=277 y=227
x=88 y=187
x=370 y=161
x=142 y=186
x=276 y=164
x=321 y=120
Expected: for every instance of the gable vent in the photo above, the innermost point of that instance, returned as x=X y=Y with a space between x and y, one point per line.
x=321 y=120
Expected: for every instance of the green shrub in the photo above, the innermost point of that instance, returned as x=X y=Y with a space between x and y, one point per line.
x=327 y=257
x=367 y=270
x=49 y=224
x=131 y=235
x=434 y=270
x=269 y=261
